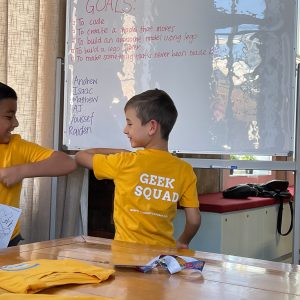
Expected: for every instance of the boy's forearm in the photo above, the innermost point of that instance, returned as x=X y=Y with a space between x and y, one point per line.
x=57 y=164
x=193 y=222
x=189 y=232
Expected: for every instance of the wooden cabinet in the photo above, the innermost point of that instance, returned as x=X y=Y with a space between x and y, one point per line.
x=249 y=233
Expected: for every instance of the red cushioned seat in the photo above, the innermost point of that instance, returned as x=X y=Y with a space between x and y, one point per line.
x=215 y=202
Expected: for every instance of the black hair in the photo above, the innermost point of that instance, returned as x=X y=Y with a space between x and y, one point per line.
x=7 y=92
x=155 y=105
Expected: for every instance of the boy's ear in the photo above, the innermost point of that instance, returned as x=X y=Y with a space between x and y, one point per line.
x=153 y=127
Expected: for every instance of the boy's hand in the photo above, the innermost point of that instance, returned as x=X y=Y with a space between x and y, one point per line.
x=180 y=245
x=10 y=176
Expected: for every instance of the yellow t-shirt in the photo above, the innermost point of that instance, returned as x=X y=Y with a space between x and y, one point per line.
x=148 y=185
x=12 y=296
x=16 y=152
x=36 y=275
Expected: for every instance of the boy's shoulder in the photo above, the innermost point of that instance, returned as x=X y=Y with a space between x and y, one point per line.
x=15 y=137
x=149 y=154
x=14 y=145
x=16 y=142
x=164 y=156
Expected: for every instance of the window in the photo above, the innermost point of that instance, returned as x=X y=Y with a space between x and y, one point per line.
x=235 y=177
x=239 y=172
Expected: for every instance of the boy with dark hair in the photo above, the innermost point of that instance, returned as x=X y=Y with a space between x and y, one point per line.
x=148 y=182
x=21 y=159
x=155 y=104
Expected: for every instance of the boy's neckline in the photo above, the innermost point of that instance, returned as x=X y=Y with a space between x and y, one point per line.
x=155 y=149
x=158 y=147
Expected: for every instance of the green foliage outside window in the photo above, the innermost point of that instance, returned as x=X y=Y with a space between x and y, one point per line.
x=242 y=157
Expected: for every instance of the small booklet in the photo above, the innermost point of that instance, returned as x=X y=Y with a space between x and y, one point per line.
x=172 y=263
x=9 y=217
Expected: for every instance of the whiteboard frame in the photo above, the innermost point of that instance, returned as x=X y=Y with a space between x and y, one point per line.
x=77 y=146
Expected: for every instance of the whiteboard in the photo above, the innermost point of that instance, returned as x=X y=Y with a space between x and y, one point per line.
x=228 y=65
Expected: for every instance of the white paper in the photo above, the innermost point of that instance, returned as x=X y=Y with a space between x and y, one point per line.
x=8 y=219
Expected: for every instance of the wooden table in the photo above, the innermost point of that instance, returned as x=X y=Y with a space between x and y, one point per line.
x=223 y=277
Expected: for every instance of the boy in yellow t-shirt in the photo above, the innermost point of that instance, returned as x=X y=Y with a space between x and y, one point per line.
x=21 y=159
x=148 y=182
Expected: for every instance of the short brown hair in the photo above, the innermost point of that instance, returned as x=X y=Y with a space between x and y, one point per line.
x=155 y=105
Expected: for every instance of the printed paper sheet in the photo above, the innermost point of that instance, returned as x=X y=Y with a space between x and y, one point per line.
x=8 y=219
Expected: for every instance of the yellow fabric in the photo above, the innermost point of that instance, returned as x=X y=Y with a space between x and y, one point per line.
x=148 y=185
x=48 y=297
x=36 y=275
x=16 y=152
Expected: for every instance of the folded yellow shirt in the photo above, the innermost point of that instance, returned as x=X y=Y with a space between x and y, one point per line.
x=48 y=297
x=36 y=275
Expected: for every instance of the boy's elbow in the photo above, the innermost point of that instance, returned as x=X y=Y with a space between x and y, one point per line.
x=71 y=165
x=65 y=163
x=84 y=159
x=79 y=158
x=194 y=218
x=199 y=221
x=196 y=223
